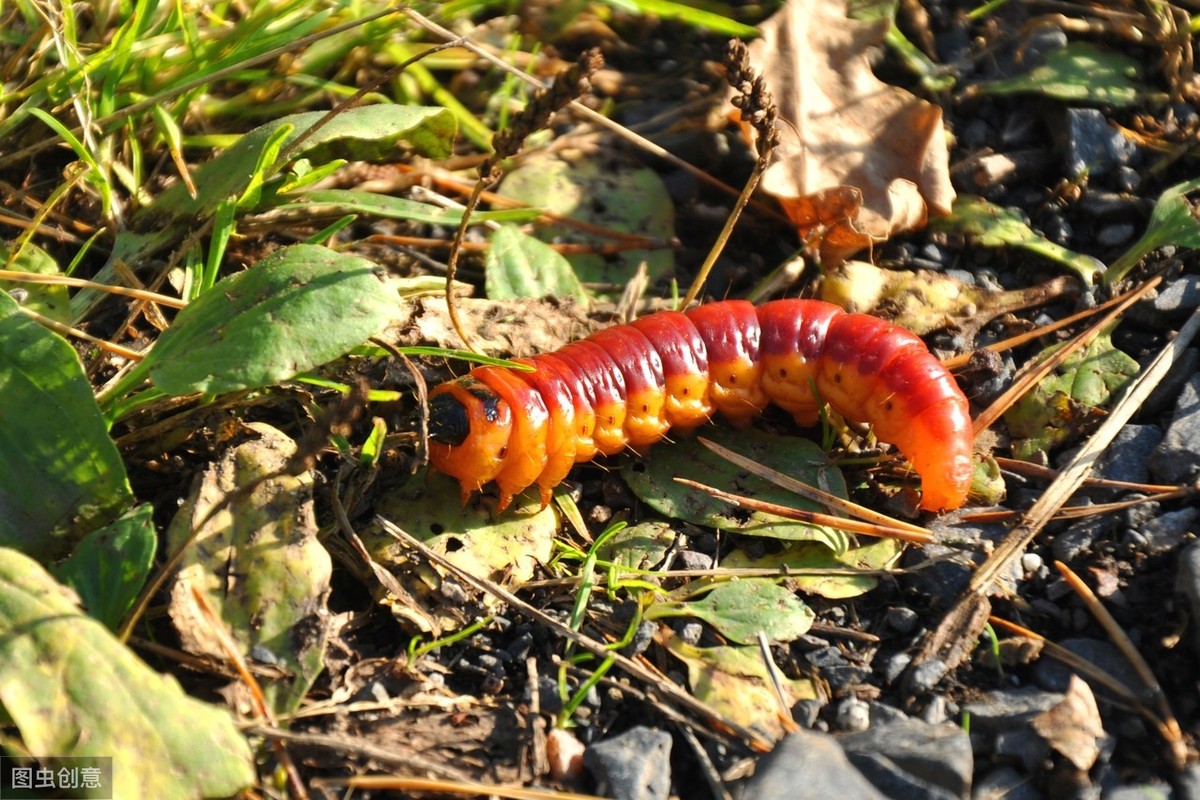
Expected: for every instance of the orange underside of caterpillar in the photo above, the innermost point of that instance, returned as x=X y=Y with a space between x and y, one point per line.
x=625 y=387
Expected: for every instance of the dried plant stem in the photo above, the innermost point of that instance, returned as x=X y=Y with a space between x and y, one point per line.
x=67 y=330
x=80 y=283
x=759 y=110
x=1170 y=726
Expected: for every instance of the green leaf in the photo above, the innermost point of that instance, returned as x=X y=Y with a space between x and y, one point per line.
x=349 y=201
x=521 y=266
x=653 y=480
x=735 y=682
x=298 y=308
x=665 y=9
x=1077 y=73
x=1064 y=403
x=816 y=569
x=989 y=225
x=741 y=609
x=60 y=473
x=639 y=546
x=616 y=196
x=368 y=133
x=72 y=689
x=1173 y=221
x=48 y=299
x=257 y=563
x=110 y=565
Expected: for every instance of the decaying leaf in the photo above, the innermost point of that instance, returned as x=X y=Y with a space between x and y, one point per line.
x=1073 y=728
x=1063 y=403
x=734 y=681
x=858 y=160
x=258 y=564
x=505 y=549
x=928 y=301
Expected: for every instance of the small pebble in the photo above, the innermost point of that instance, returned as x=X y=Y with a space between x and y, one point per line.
x=691 y=632
x=901 y=619
x=1177 y=457
x=1115 y=235
x=636 y=765
x=853 y=715
x=1032 y=564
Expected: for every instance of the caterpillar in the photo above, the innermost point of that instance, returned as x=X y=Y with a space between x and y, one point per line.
x=626 y=386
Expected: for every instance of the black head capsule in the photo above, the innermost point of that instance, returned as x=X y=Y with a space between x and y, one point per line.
x=449 y=422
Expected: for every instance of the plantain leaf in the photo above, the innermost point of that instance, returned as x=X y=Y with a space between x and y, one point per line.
x=111 y=564
x=298 y=308
x=522 y=266
x=60 y=473
x=741 y=609
x=72 y=689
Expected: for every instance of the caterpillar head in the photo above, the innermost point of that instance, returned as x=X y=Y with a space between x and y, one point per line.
x=469 y=429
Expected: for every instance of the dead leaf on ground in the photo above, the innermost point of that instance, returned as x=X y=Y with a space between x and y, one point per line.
x=1073 y=728
x=858 y=160
x=925 y=301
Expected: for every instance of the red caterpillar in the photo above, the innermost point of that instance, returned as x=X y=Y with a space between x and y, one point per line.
x=626 y=386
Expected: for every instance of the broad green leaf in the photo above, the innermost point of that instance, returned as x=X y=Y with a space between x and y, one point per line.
x=257 y=563
x=815 y=569
x=72 y=689
x=652 y=479
x=522 y=266
x=989 y=225
x=110 y=565
x=298 y=308
x=1173 y=221
x=60 y=473
x=1060 y=407
x=742 y=609
x=615 y=196
x=383 y=133
x=1077 y=73
x=734 y=681
x=48 y=299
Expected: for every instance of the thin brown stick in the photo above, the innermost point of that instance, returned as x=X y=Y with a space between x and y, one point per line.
x=813 y=517
x=80 y=283
x=816 y=495
x=67 y=330
x=1170 y=726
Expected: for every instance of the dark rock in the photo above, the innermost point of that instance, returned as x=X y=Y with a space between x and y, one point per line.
x=1145 y=791
x=636 y=765
x=1021 y=745
x=806 y=712
x=1166 y=531
x=1115 y=235
x=1167 y=392
x=1042 y=41
x=1128 y=456
x=1187 y=784
x=925 y=676
x=1187 y=583
x=1177 y=457
x=894 y=781
x=937 y=757
x=901 y=619
x=1179 y=299
x=690 y=559
x=1090 y=145
x=894 y=667
x=1054 y=676
x=845 y=677
x=883 y=714
x=808 y=766
x=1006 y=783
x=1008 y=709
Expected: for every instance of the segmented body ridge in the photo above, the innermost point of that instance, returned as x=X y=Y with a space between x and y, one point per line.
x=628 y=385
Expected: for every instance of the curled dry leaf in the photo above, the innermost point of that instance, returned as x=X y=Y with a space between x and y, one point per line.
x=858 y=160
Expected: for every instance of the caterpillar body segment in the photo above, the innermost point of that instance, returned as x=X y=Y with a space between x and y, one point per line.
x=628 y=385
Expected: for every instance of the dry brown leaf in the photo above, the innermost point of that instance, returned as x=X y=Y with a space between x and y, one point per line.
x=858 y=160
x=1073 y=728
